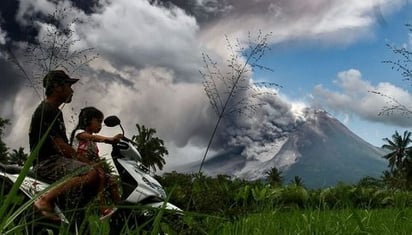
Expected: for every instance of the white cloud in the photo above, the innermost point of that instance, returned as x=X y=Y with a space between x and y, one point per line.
x=2 y=37
x=135 y=33
x=356 y=96
x=332 y=22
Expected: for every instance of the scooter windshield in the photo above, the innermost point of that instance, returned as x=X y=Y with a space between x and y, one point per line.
x=128 y=150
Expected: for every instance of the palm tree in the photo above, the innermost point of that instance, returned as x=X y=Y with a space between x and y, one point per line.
x=297 y=181
x=18 y=157
x=151 y=148
x=3 y=147
x=399 y=147
x=274 y=176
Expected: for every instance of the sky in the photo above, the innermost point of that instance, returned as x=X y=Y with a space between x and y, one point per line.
x=325 y=54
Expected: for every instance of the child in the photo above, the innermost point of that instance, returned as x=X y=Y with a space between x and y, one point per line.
x=84 y=139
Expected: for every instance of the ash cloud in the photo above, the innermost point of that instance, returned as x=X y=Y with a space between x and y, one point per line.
x=10 y=83
x=259 y=132
x=11 y=80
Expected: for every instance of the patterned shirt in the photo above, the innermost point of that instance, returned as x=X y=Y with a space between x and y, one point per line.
x=87 y=148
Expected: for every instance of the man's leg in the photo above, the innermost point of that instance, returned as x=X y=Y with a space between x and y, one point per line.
x=89 y=178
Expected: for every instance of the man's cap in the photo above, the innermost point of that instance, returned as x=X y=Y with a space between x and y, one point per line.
x=57 y=76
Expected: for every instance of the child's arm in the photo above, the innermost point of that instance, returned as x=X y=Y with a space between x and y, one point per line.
x=99 y=138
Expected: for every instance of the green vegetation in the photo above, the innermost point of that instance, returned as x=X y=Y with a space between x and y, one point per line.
x=151 y=148
x=17 y=157
x=347 y=221
x=3 y=147
x=399 y=160
x=220 y=205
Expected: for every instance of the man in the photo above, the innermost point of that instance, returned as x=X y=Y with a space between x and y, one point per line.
x=56 y=157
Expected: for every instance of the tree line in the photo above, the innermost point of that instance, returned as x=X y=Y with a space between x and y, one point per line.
x=15 y=156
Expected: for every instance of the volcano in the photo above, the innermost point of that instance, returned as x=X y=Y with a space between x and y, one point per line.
x=320 y=150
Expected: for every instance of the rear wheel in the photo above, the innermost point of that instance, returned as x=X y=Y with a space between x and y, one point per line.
x=27 y=221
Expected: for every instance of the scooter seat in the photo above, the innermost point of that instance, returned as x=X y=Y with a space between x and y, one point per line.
x=15 y=169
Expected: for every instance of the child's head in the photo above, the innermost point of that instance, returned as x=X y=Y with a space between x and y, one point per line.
x=90 y=118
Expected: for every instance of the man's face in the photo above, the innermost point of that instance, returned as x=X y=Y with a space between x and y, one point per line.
x=65 y=92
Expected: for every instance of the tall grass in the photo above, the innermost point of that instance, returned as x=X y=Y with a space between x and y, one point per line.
x=311 y=222
x=7 y=212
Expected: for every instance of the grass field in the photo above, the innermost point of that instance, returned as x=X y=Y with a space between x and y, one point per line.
x=310 y=222
x=273 y=221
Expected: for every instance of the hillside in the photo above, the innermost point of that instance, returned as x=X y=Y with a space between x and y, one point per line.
x=320 y=150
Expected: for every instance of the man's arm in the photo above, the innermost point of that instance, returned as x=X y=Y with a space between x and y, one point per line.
x=67 y=151
x=63 y=148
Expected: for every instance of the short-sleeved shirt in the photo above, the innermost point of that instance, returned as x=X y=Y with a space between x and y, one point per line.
x=42 y=119
x=87 y=148
x=51 y=164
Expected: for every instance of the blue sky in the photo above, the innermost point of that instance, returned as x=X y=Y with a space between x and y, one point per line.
x=320 y=63
x=300 y=66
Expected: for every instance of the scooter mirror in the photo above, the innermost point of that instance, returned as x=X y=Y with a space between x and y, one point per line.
x=112 y=121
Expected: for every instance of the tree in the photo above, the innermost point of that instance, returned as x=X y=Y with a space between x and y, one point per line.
x=400 y=160
x=274 y=177
x=393 y=180
x=398 y=146
x=297 y=181
x=18 y=157
x=3 y=147
x=369 y=181
x=151 y=148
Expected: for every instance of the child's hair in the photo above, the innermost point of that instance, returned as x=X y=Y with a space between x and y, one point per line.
x=85 y=118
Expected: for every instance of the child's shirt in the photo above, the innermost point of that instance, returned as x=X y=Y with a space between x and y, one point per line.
x=87 y=148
